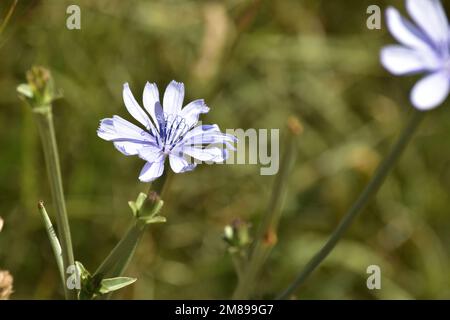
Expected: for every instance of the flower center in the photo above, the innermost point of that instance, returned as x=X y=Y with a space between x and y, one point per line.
x=172 y=130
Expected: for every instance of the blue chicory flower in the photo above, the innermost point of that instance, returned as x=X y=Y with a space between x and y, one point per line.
x=170 y=130
x=425 y=48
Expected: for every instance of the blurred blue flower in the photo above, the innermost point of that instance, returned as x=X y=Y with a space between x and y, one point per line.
x=170 y=130
x=424 y=48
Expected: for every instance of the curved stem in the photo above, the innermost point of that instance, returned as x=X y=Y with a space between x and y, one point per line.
x=370 y=190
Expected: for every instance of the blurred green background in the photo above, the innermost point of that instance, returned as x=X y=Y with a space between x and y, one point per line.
x=256 y=63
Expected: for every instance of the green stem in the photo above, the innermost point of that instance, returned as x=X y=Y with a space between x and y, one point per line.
x=371 y=189
x=136 y=232
x=44 y=119
x=266 y=236
x=119 y=257
x=56 y=247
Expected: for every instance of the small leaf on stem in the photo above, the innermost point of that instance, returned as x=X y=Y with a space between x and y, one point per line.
x=114 y=284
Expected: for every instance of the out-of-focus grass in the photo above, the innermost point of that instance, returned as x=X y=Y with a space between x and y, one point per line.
x=255 y=64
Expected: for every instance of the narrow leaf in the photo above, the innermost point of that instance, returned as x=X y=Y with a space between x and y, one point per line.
x=113 y=284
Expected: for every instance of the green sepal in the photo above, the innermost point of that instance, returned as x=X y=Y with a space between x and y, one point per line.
x=154 y=219
x=136 y=206
x=133 y=207
x=153 y=215
x=147 y=216
x=140 y=200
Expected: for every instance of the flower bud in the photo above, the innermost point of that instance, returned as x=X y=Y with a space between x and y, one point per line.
x=39 y=90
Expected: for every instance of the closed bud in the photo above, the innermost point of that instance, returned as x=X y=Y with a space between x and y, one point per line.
x=39 y=90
